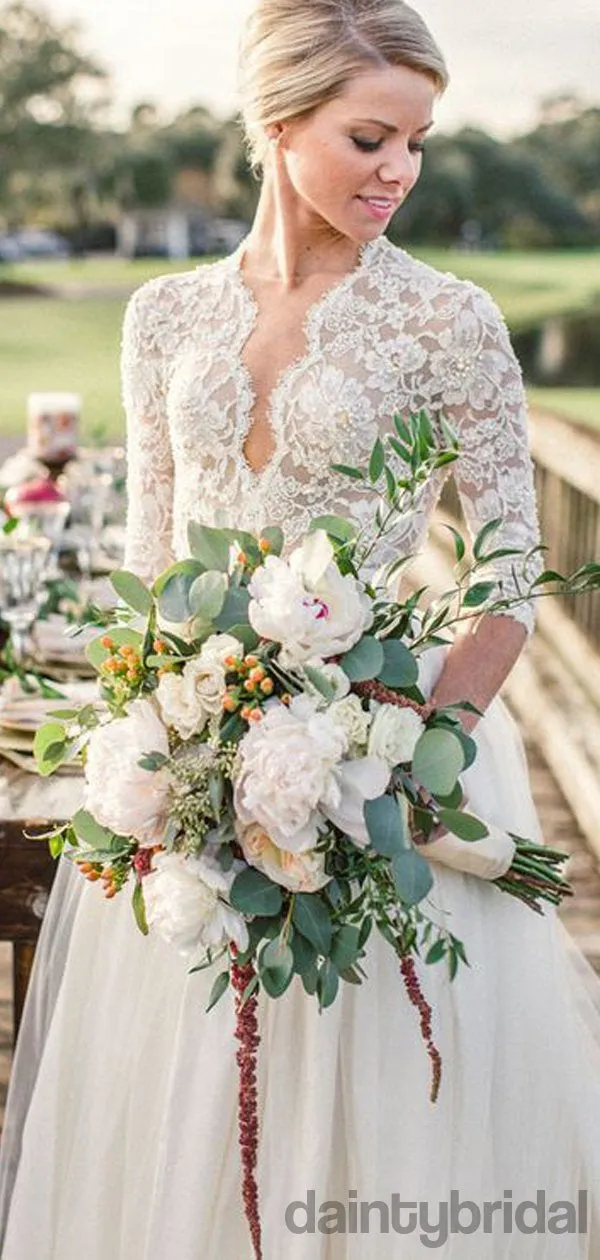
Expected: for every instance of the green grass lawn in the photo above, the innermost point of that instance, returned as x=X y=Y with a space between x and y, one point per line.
x=73 y=343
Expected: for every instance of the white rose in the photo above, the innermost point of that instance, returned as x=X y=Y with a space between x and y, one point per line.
x=299 y=872
x=352 y=719
x=287 y=766
x=306 y=604
x=394 y=733
x=119 y=793
x=358 y=780
x=188 y=699
x=184 y=899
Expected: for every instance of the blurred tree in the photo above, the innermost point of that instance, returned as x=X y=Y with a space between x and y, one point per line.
x=51 y=98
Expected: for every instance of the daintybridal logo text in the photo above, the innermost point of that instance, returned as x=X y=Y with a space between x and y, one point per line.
x=436 y=1221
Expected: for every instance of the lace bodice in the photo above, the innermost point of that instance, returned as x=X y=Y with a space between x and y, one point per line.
x=394 y=335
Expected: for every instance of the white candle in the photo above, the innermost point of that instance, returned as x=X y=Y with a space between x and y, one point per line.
x=52 y=425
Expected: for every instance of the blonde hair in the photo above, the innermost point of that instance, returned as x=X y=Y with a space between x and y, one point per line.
x=296 y=55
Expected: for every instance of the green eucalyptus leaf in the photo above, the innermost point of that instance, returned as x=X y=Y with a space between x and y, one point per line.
x=132 y=590
x=438 y=760
x=328 y=983
x=253 y=893
x=387 y=825
x=412 y=875
x=235 y=609
x=364 y=660
x=305 y=953
x=209 y=546
x=207 y=595
x=276 y=967
x=400 y=668
x=345 y=947
x=313 y=919
x=464 y=825
x=89 y=831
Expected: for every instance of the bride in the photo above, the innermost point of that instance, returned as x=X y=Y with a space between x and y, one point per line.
x=243 y=381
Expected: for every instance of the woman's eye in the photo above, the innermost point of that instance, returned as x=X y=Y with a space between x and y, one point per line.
x=367 y=146
x=371 y=146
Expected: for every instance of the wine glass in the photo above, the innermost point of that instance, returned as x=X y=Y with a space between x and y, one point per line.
x=24 y=563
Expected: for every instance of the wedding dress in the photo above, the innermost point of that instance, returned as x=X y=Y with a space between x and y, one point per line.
x=121 y=1129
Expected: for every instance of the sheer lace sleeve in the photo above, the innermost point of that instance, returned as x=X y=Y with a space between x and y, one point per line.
x=485 y=401
x=149 y=458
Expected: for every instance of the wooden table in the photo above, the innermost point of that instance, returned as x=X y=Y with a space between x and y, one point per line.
x=26 y=866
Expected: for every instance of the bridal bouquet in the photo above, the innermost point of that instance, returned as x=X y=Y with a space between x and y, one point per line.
x=264 y=773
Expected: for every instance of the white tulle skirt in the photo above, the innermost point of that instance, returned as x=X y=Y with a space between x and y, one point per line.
x=121 y=1131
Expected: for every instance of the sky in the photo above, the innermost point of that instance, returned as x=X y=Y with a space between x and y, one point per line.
x=504 y=56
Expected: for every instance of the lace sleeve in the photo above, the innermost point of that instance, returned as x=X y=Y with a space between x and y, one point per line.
x=484 y=399
x=149 y=457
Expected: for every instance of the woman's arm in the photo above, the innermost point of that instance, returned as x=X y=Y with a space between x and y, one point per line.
x=485 y=402
x=149 y=455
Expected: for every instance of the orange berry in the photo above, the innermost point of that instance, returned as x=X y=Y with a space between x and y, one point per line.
x=107 y=642
x=231 y=662
x=230 y=703
x=286 y=698
x=266 y=686
x=264 y=545
x=256 y=715
x=241 y=557
x=110 y=892
x=251 y=661
x=93 y=875
x=85 y=867
x=257 y=675
x=159 y=646
x=247 y=712
x=249 y=685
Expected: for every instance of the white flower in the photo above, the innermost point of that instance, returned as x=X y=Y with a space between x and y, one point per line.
x=293 y=777
x=188 y=699
x=300 y=872
x=306 y=604
x=394 y=733
x=352 y=719
x=119 y=793
x=287 y=764
x=358 y=780
x=184 y=899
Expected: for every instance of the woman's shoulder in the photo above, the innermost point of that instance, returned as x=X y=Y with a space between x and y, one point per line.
x=445 y=292
x=169 y=300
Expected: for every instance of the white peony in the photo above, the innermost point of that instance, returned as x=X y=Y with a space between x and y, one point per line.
x=293 y=777
x=119 y=793
x=287 y=766
x=187 y=700
x=299 y=872
x=394 y=733
x=186 y=906
x=352 y=719
x=306 y=604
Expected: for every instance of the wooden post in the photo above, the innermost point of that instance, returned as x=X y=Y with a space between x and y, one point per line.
x=27 y=872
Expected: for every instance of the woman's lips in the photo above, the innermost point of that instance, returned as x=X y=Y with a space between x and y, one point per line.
x=379 y=207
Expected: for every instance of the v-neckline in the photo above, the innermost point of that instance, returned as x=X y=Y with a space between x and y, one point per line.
x=309 y=323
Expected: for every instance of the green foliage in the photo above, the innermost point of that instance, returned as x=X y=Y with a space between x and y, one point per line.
x=438 y=760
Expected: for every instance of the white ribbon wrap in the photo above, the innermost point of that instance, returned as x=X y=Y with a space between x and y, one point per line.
x=488 y=858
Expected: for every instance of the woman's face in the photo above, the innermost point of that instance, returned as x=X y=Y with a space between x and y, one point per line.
x=353 y=161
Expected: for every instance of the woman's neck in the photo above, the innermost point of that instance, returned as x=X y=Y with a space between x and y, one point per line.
x=286 y=246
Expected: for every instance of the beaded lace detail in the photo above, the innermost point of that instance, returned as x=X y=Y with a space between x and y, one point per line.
x=394 y=335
